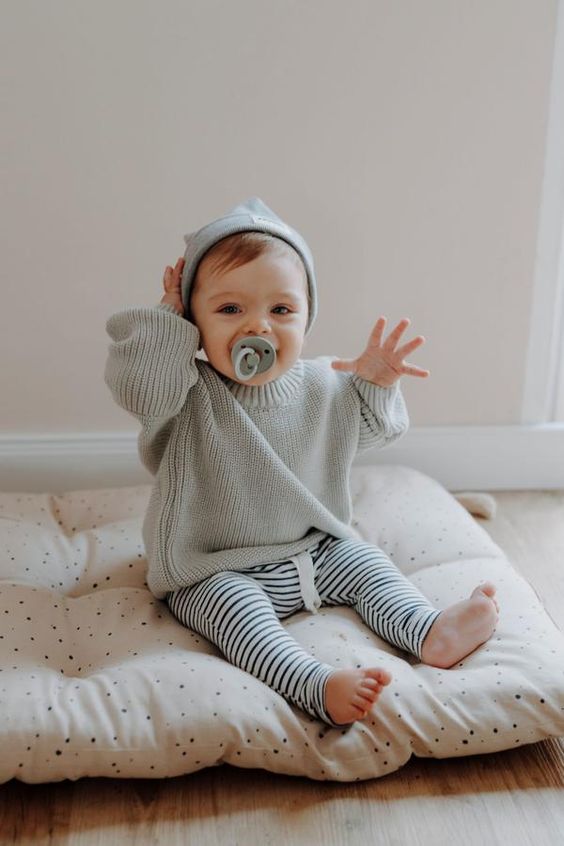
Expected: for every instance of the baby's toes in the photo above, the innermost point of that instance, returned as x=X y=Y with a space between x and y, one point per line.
x=371 y=692
x=486 y=587
x=383 y=677
x=362 y=704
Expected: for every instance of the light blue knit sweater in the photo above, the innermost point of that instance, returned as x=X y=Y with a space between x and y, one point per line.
x=244 y=475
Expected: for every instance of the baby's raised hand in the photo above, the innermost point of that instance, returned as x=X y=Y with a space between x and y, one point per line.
x=381 y=363
x=171 y=284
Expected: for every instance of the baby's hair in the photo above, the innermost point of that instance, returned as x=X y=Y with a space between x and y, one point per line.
x=243 y=247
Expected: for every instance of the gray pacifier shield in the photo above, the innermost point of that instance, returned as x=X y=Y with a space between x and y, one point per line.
x=252 y=355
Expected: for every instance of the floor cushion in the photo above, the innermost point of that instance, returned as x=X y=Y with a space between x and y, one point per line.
x=97 y=678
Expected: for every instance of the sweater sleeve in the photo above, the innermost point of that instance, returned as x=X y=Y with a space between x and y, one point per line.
x=150 y=366
x=383 y=414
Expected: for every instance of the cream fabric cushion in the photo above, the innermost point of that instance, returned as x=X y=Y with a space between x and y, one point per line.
x=98 y=678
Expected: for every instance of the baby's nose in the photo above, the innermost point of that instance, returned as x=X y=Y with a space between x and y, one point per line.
x=257 y=325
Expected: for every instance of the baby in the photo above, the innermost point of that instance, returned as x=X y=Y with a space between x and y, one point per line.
x=249 y=519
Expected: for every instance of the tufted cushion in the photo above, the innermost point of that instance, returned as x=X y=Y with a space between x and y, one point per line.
x=98 y=678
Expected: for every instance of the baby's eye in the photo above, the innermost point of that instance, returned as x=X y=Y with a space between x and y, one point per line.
x=224 y=309
x=286 y=309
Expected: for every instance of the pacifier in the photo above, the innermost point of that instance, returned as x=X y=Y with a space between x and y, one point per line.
x=252 y=355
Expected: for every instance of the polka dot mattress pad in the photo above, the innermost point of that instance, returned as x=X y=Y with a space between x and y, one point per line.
x=99 y=679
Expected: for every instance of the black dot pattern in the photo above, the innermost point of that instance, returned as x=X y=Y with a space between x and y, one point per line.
x=98 y=679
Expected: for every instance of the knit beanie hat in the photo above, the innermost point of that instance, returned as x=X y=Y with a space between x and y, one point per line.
x=250 y=216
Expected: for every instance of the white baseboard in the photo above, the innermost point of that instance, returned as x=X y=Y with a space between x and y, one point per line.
x=460 y=457
x=67 y=461
x=524 y=457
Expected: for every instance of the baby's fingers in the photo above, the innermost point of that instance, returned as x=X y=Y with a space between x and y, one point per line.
x=409 y=347
x=412 y=370
x=168 y=279
x=341 y=364
x=172 y=276
x=395 y=334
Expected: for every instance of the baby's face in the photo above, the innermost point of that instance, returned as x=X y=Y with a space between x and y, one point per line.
x=266 y=297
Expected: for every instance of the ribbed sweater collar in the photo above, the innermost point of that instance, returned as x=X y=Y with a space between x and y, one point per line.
x=274 y=394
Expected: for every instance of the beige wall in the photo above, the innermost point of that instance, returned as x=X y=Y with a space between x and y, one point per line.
x=405 y=140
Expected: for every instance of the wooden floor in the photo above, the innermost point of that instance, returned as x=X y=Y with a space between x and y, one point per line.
x=514 y=797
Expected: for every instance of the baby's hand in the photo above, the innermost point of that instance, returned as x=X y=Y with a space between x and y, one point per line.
x=171 y=283
x=381 y=363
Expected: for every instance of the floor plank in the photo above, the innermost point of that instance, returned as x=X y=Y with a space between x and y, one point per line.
x=529 y=527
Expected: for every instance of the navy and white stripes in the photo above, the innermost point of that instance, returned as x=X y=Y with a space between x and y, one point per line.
x=240 y=612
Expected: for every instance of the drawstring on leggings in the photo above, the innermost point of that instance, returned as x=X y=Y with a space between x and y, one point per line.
x=304 y=565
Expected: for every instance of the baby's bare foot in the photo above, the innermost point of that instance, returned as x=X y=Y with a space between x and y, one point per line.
x=461 y=628
x=349 y=694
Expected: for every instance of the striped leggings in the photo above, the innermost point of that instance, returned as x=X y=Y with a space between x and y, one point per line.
x=240 y=612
